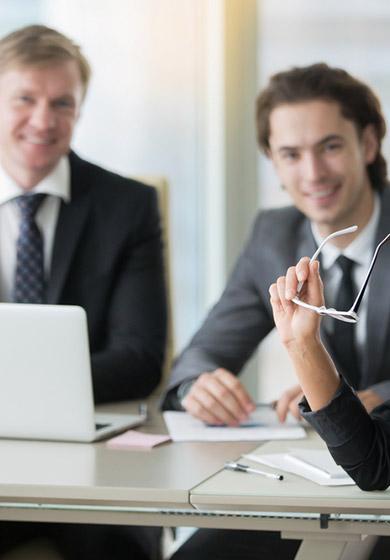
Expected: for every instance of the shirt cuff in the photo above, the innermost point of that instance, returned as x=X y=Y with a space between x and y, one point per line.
x=172 y=400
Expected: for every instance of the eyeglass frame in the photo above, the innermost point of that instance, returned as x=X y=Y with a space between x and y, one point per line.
x=351 y=315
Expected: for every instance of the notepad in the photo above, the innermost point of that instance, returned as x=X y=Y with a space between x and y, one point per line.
x=319 y=460
x=132 y=438
x=316 y=465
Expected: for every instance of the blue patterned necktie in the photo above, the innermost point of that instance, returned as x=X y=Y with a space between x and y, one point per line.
x=29 y=282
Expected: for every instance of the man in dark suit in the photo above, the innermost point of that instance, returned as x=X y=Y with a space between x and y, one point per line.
x=322 y=130
x=74 y=233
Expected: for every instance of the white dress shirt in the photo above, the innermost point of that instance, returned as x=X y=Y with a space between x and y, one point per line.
x=57 y=186
x=360 y=250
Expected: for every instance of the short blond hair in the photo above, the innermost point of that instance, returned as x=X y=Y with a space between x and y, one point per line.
x=38 y=45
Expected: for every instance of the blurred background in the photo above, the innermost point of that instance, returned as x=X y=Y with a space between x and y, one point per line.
x=172 y=94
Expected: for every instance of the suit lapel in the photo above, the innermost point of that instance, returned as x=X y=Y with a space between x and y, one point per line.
x=71 y=220
x=378 y=312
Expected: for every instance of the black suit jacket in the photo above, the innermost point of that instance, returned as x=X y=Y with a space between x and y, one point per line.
x=107 y=258
x=243 y=317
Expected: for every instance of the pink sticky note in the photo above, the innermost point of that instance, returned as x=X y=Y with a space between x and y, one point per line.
x=132 y=438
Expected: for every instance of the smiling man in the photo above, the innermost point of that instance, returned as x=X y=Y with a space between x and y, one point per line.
x=322 y=130
x=74 y=233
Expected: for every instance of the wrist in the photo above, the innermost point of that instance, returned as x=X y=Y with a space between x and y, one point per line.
x=304 y=344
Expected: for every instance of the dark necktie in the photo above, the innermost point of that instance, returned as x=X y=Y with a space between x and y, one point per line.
x=29 y=282
x=343 y=339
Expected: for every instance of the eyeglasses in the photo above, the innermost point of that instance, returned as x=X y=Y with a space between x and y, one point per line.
x=349 y=316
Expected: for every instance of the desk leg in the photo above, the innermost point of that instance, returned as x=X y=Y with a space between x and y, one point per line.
x=343 y=547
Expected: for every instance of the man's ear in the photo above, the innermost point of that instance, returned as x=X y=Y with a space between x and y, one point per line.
x=370 y=143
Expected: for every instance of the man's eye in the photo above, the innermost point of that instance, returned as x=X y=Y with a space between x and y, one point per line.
x=332 y=146
x=25 y=99
x=63 y=104
x=290 y=156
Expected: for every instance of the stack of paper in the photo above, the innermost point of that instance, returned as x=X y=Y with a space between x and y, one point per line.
x=184 y=427
x=316 y=465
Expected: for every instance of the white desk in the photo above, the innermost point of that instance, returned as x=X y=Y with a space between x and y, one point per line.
x=180 y=484
x=326 y=517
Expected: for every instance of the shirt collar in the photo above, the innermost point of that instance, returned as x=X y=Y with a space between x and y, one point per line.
x=359 y=250
x=57 y=183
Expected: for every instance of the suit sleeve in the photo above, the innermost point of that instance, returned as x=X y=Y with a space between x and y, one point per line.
x=129 y=365
x=359 y=442
x=233 y=328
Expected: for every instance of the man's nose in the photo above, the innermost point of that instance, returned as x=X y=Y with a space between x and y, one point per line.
x=314 y=167
x=42 y=117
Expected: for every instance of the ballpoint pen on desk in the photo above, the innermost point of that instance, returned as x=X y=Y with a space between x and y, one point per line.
x=245 y=468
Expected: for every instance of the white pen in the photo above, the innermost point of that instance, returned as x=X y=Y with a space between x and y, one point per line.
x=245 y=468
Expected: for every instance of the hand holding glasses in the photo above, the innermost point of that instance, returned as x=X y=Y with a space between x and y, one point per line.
x=349 y=316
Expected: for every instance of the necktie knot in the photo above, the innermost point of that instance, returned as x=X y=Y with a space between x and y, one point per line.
x=29 y=204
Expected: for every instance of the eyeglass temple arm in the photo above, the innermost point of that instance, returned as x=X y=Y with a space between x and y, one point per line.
x=344 y=231
x=359 y=297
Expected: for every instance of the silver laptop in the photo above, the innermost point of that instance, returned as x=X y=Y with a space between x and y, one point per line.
x=45 y=376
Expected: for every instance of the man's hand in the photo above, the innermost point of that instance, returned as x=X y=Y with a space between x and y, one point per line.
x=369 y=399
x=219 y=398
x=288 y=402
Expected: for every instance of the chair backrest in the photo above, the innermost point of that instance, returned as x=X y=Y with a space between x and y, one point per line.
x=162 y=187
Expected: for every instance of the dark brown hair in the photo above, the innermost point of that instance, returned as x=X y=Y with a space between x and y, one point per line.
x=357 y=101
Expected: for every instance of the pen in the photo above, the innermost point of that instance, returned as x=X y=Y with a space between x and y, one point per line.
x=245 y=468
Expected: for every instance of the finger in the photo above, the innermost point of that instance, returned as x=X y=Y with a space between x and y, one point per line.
x=294 y=406
x=236 y=388
x=277 y=306
x=196 y=409
x=274 y=296
x=315 y=292
x=281 y=287
x=291 y=283
x=221 y=392
x=282 y=407
x=303 y=269
x=283 y=403
x=201 y=403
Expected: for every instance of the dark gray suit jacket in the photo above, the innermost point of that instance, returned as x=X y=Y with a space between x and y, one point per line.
x=243 y=315
x=107 y=258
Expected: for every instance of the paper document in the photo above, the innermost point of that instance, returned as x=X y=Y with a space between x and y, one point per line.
x=265 y=416
x=184 y=427
x=316 y=465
